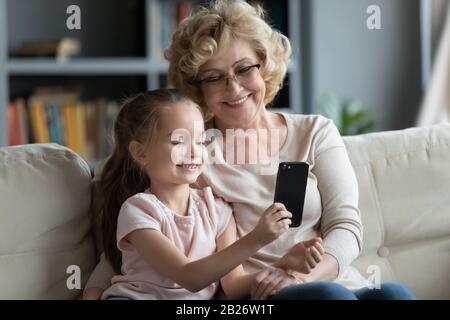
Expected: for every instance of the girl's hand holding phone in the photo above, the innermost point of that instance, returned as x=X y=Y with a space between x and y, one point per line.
x=273 y=223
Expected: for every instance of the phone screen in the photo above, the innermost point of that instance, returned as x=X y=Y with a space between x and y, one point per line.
x=290 y=188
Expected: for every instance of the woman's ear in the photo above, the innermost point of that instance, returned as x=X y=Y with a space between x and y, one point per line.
x=137 y=152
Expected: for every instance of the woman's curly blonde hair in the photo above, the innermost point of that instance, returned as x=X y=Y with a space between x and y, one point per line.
x=198 y=37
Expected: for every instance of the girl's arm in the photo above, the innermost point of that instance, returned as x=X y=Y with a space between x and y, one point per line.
x=167 y=259
x=237 y=283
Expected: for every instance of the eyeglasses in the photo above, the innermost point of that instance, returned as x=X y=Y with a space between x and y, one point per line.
x=242 y=75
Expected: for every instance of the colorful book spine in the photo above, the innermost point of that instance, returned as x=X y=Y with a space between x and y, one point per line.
x=39 y=122
x=17 y=123
x=54 y=123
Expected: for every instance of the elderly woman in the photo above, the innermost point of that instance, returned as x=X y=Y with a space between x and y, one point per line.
x=230 y=61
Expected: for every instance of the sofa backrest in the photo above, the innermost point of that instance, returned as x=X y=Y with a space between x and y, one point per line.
x=45 y=194
x=404 y=183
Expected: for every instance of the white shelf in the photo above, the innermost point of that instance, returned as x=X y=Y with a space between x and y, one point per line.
x=91 y=66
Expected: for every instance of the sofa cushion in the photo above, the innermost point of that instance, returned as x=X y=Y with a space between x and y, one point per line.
x=45 y=193
x=404 y=183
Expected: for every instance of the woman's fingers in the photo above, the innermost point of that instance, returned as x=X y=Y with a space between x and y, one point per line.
x=258 y=281
x=263 y=284
x=271 y=285
x=280 y=286
x=286 y=281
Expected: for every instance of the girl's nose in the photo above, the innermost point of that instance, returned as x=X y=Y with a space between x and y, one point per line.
x=195 y=150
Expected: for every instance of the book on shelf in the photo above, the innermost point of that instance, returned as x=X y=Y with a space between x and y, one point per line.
x=166 y=15
x=62 y=117
x=17 y=123
x=164 y=18
x=184 y=10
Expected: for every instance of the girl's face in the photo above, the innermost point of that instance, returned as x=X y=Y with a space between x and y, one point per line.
x=177 y=154
x=237 y=101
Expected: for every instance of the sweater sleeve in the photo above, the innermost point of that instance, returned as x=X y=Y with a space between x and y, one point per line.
x=102 y=274
x=340 y=225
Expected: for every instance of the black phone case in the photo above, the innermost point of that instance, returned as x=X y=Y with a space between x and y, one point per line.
x=290 y=188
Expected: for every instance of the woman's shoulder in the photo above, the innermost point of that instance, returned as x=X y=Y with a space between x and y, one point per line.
x=316 y=133
x=308 y=122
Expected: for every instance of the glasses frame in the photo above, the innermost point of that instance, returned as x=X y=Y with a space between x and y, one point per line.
x=234 y=77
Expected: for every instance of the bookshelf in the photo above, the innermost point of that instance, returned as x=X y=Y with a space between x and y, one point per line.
x=4 y=92
x=126 y=58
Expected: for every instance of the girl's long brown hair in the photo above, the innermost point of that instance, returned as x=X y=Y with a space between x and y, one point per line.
x=121 y=176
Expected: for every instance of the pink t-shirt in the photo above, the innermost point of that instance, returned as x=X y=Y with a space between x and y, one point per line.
x=194 y=234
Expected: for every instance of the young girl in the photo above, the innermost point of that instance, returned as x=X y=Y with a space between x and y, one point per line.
x=176 y=242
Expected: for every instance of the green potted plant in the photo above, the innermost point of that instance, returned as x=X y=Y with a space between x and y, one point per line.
x=348 y=114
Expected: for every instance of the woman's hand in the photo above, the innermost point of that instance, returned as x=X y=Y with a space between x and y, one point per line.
x=302 y=257
x=273 y=223
x=272 y=280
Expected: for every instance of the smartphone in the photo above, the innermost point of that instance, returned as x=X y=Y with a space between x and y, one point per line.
x=290 y=188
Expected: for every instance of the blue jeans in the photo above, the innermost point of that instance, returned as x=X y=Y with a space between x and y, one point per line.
x=327 y=290
x=117 y=298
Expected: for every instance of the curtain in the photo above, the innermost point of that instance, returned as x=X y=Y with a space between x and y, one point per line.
x=436 y=103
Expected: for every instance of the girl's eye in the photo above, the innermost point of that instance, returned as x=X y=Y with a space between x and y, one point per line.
x=176 y=142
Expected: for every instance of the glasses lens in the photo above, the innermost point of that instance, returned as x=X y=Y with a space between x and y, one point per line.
x=242 y=75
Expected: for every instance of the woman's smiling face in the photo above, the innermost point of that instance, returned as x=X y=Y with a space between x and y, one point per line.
x=237 y=101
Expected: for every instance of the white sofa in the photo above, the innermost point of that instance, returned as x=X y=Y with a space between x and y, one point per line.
x=404 y=181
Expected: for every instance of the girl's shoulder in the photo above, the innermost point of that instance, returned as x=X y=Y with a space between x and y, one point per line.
x=142 y=202
x=214 y=203
x=206 y=195
x=217 y=209
x=202 y=196
x=143 y=197
x=201 y=192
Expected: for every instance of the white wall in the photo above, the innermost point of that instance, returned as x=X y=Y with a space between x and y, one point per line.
x=381 y=68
